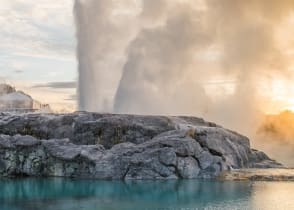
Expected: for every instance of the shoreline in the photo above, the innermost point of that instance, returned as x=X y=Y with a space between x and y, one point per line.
x=258 y=175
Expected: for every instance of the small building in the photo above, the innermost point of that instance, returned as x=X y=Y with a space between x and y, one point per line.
x=16 y=101
x=19 y=102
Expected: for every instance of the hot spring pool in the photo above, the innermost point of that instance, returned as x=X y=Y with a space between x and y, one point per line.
x=66 y=194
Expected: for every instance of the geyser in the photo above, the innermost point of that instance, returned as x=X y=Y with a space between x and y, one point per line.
x=162 y=56
x=104 y=29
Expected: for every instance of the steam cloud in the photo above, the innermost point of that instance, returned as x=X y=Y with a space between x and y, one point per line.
x=156 y=56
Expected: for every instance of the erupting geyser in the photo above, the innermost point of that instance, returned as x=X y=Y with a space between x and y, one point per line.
x=103 y=31
x=163 y=56
x=209 y=58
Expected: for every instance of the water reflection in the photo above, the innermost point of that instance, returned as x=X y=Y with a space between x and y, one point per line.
x=60 y=194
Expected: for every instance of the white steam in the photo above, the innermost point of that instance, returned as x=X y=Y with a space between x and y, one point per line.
x=157 y=57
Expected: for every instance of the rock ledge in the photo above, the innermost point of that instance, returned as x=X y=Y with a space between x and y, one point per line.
x=108 y=146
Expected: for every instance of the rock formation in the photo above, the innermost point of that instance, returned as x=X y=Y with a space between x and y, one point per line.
x=108 y=146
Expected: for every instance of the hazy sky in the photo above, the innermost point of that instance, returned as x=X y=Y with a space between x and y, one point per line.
x=37 y=48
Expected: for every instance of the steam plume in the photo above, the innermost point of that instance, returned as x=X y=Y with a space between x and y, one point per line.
x=103 y=33
x=156 y=56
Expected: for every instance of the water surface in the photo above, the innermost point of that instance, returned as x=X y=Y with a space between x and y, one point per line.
x=65 y=194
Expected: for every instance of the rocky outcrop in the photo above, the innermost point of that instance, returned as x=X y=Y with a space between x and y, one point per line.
x=107 y=146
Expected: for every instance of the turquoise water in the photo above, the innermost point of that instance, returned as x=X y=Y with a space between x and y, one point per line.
x=64 y=194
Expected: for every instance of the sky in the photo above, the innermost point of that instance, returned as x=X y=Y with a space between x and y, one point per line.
x=37 y=50
x=38 y=53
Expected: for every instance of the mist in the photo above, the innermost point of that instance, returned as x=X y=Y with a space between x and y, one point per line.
x=163 y=56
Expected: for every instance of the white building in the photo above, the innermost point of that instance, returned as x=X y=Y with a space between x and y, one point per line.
x=18 y=101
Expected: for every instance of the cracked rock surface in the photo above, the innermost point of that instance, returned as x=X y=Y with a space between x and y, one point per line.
x=108 y=146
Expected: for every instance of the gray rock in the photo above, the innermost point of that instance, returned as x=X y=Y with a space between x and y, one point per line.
x=6 y=142
x=232 y=147
x=188 y=168
x=25 y=141
x=206 y=159
x=168 y=157
x=105 y=146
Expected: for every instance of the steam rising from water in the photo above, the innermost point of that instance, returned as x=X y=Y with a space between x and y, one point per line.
x=156 y=56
